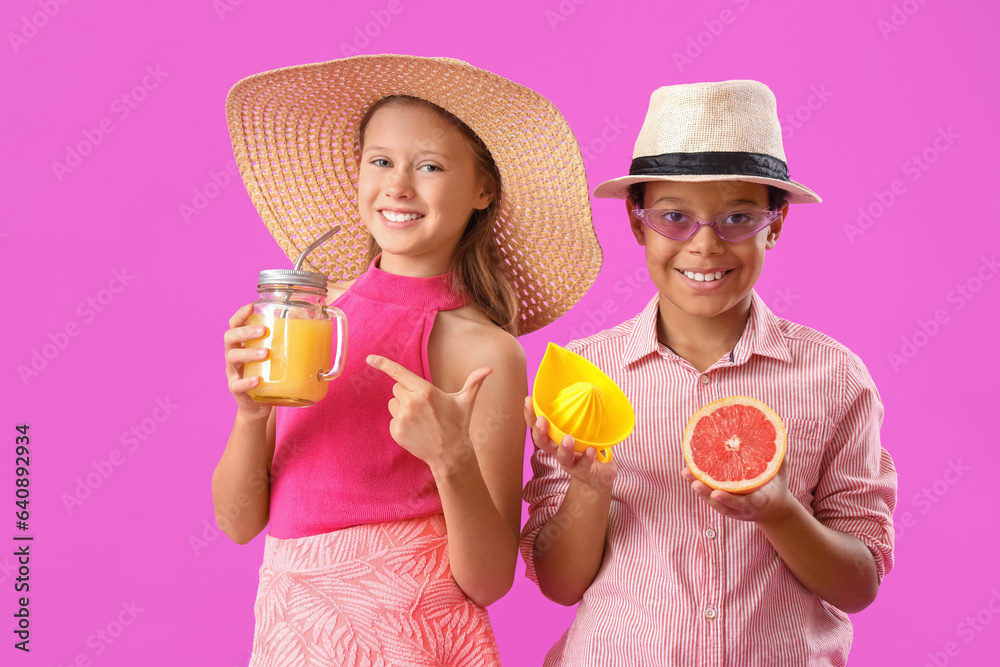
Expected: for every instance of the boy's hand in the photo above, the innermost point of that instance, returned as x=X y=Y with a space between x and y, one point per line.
x=767 y=503
x=584 y=467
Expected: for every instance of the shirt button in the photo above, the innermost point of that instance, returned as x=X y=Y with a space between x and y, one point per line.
x=709 y=613
x=704 y=379
x=710 y=533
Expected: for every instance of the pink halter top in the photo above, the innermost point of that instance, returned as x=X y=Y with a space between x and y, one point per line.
x=335 y=464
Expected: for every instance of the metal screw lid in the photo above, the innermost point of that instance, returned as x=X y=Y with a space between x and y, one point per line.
x=291 y=277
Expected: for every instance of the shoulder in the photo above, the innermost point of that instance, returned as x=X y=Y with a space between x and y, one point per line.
x=465 y=339
x=808 y=344
x=612 y=336
x=611 y=341
x=475 y=336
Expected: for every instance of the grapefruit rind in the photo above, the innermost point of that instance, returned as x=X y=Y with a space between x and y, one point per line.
x=744 y=485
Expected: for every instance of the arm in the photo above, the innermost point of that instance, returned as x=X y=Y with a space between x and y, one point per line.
x=481 y=487
x=836 y=566
x=241 y=483
x=474 y=448
x=841 y=546
x=568 y=549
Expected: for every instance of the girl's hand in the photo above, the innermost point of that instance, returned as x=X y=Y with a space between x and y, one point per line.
x=431 y=424
x=583 y=466
x=766 y=503
x=237 y=355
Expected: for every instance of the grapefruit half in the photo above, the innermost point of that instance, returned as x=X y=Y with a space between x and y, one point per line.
x=734 y=444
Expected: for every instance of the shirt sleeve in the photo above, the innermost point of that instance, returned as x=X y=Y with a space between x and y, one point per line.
x=856 y=492
x=544 y=494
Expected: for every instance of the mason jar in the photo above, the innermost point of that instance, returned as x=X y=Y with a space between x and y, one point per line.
x=306 y=338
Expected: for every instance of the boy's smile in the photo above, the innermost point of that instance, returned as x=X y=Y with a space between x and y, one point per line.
x=704 y=279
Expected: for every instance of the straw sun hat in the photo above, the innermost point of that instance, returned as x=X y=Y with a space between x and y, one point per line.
x=725 y=131
x=293 y=133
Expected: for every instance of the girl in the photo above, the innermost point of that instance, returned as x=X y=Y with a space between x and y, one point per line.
x=394 y=503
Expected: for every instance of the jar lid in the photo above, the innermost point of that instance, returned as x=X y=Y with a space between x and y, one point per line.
x=291 y=277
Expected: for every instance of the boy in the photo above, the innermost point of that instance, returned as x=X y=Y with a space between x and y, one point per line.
x=665 y=570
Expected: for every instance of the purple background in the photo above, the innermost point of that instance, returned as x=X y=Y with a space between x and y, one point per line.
x=860 y=96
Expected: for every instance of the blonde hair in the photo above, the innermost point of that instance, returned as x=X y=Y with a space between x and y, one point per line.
x=478 y=269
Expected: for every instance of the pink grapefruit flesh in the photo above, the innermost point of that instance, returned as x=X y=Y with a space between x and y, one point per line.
x=735 y=444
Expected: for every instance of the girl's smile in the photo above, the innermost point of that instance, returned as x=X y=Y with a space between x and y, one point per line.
x=399 y=218
x=417 y=187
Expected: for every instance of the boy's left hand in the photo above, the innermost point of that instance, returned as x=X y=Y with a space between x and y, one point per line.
x=766 y=503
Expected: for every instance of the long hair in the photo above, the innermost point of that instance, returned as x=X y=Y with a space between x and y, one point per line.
x=477 y=267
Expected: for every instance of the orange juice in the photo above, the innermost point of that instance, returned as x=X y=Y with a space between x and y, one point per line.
x=300 y=351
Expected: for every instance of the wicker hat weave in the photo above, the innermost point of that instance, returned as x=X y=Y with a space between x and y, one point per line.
x=293 y=133
x=725 y=131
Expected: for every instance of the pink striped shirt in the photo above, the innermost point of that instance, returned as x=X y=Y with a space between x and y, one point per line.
x=681 y=584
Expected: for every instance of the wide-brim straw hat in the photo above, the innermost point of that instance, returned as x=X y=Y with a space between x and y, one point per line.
x=725 y=131
x=294 y=137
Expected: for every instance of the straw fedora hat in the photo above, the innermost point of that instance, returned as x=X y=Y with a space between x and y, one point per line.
x=725 y=131
x=294 y=137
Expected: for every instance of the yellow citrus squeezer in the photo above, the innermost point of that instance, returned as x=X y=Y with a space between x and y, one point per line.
x=578 y=399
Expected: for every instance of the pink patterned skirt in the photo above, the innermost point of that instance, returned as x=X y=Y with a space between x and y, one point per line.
x=370 y=595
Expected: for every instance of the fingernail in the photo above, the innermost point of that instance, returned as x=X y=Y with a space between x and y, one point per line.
x=259 y=331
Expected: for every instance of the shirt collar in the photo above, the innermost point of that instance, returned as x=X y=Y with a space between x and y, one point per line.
x=762 y=334
x=642 y=339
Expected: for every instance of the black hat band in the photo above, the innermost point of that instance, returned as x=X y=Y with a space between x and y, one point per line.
x=709 y=163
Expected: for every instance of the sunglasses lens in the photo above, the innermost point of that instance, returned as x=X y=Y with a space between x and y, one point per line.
x=670 y=224
x=739 y=226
